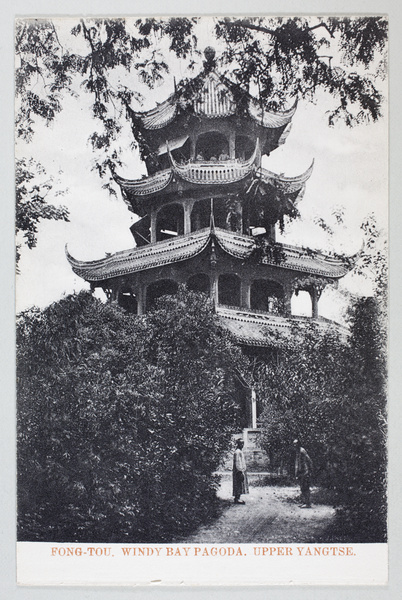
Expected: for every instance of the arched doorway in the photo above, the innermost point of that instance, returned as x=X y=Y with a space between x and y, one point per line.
x=268 y=296
x=301 y=304
x=155 y=290
x=229 y=289
x=212 y=146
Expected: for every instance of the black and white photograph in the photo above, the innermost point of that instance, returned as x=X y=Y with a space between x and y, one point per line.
x=201 y=293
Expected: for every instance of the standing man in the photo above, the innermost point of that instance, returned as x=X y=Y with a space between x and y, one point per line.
x=240 y=483
x=303 y=472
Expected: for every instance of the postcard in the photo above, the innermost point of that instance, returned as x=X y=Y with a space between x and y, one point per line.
x=202 y=270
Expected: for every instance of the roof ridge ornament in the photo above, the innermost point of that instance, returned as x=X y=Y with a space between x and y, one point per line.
x=212 y=236
x=210 y=62
x=210 y=103
x=212 y=218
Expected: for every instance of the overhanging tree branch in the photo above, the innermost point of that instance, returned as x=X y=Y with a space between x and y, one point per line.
x=247 y=25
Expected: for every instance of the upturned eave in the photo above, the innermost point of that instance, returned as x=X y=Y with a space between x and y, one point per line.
x=210 y=173
x=185 y=247
x=214 y=99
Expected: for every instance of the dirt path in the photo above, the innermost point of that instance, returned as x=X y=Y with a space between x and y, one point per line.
x=270 y=515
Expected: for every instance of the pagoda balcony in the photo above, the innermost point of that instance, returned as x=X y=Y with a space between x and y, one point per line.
x=214 y=172
x=217 y=171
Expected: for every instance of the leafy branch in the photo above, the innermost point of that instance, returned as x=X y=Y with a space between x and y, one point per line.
x=289 y=50
x=32 y=188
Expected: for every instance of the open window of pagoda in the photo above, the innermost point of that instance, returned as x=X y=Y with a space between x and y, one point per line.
x=301 y=304
x=234 y=214
x=212 y=146
x=162 y=287
x=229 y=289
x=314 y=286
x=169 y=222
x=268 y=296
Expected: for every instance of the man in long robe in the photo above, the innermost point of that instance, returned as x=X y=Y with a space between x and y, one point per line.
x=240 y=483
x=303 y=472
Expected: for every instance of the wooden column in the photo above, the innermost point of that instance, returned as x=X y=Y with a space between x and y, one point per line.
x=239 y=210
x=187 y=217
x=115 y=293
x=287 y=300
x=245 y=294
x=232 y=144
x=314 y=302
x=153 y=226
x=141 y=300
x=253 y=409
x=192 y=148
x=214 y=287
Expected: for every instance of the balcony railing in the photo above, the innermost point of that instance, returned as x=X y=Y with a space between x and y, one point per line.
x=214 y=172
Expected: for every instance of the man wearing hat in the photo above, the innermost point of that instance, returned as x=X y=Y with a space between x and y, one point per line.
x=303 y=472
x=240 y=483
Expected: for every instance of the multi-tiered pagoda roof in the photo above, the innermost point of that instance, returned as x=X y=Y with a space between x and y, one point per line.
x=208 y=212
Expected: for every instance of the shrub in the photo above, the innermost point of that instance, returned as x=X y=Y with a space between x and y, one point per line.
x=121 y=419
x=331 y=394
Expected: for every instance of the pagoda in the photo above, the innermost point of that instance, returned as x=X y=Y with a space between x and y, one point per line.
x=208 y=214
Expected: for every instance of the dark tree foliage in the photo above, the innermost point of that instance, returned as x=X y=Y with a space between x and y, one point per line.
x=46 y=71
x=107 y=47
x=331 y=393
x=309 y=369
x=359 y=444
x=281 y=57
x=122 y=420
x=32 y=186
x=373 y=261
x=297 y=56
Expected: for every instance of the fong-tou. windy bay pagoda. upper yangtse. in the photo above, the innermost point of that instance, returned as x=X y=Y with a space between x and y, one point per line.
x=209 y=212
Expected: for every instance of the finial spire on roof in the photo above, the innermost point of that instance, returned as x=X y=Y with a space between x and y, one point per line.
x=210 y=62
x=209 y=53
x=212 y=217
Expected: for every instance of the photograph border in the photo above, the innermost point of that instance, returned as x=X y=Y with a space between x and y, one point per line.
x=7 y=241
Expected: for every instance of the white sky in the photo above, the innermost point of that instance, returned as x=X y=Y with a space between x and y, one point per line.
x=350 y=171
